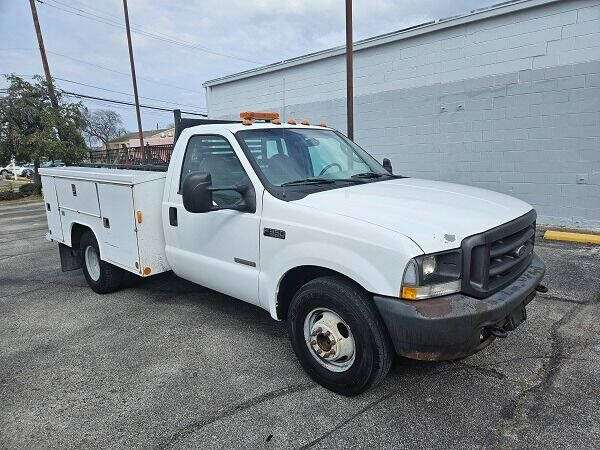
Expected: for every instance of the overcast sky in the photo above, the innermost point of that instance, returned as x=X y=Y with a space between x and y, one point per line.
x=179 y=44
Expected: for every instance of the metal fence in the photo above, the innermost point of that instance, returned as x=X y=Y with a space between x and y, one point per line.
x=158 y=155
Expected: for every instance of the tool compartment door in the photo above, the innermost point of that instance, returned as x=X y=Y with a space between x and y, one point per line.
x=119 y=238
x=51 y=205
x=77 y=195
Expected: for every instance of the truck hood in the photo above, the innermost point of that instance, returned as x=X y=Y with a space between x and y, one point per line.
x=435 y=215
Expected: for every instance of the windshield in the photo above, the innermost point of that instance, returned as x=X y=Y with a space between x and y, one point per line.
x=286 y=156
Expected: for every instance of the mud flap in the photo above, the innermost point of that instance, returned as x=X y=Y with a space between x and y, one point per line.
x=69 y=258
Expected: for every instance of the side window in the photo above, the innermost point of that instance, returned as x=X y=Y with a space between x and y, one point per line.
x=214 y=154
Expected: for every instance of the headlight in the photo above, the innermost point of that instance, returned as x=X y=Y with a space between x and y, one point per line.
x=432 y=276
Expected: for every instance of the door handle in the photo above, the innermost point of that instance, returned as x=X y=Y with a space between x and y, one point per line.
x=173 y=216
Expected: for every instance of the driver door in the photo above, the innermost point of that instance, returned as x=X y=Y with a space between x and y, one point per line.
x=217 y=249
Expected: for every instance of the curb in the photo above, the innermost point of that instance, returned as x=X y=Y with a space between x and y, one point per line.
x=572 y=237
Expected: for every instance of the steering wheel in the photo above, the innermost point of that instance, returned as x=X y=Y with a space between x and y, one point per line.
x=329 y=166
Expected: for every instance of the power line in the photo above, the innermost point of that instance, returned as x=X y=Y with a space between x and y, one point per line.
x=149 y=80
x=123 y=73
x=161 y=37
x=140 y=29
x=116 y=92
x=123 y=93
x=120 y=102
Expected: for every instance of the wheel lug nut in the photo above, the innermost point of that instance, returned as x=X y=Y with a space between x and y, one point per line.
x=313 y=342
x=328 y=333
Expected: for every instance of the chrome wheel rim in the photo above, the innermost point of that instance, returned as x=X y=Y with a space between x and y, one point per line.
x=92 y=262
x=329 y=339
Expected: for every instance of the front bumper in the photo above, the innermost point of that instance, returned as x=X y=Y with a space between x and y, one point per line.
x=454 y=326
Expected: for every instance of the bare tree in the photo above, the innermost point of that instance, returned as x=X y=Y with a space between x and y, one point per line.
x=104 y=125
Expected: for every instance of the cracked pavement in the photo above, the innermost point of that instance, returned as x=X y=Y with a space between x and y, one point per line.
x=168 y=364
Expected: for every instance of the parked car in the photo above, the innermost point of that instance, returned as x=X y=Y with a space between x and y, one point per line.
x=301 y=221
x=28 y=171
x=26 y=168
x=7 y=171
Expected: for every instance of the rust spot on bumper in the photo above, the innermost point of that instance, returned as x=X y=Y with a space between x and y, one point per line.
x=446 y=356
x=434 y=307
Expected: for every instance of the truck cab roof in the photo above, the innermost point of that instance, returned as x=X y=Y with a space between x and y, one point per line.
x=235 y=127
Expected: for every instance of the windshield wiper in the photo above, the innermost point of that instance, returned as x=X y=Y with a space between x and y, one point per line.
x=309 y=181
x=367 y=175
x=316 y=180
x=375 y=175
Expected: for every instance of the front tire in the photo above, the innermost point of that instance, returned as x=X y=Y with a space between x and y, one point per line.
x=338 y=336
x=101 y=276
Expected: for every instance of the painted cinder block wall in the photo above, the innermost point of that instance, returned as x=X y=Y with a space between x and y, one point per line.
x=509 y=102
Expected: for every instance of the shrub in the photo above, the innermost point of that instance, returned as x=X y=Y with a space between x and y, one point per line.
x=9 y=194
x=30 y=189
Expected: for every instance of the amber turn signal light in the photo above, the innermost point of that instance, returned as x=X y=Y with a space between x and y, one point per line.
x=409 y=293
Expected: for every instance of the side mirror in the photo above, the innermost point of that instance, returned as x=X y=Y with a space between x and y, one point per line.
x=387 y=165
x=197 y=192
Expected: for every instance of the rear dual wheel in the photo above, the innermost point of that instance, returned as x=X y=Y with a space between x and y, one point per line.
x=101 y=276
x=338 y=336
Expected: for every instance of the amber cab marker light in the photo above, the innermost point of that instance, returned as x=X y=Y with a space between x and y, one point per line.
x=305 y=122
x=322 y=124
x=254 y=115
x=147 y=271
x=292 y=121
x=139 y=216
x=247 y=122
x=409 y=293
x=276 y=122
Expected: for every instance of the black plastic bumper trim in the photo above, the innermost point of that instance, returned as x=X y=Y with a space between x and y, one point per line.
x=451 y=326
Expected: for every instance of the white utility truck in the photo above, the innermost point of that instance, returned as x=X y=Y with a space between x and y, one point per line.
x=300 y=221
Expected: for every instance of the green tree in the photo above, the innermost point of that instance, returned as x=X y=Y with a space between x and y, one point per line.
x=31 y=129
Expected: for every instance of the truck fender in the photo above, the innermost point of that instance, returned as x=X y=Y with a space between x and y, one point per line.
x=364 y=273
x=77 y=228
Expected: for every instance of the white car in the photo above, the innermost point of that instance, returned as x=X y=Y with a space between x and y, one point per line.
x=302 y=222
x=9 y=171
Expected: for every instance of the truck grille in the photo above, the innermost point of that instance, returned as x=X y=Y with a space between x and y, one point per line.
x=493 y=259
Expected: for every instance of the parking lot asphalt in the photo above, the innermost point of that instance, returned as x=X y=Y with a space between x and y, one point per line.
x=165 y=363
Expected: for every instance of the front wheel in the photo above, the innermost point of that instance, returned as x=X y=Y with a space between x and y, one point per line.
x=101 y=276
x=338 y=336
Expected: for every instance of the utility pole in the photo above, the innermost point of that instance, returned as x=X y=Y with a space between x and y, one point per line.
x=51 y=92
x=135 y=92
x=38 y=32
x=349 y=71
